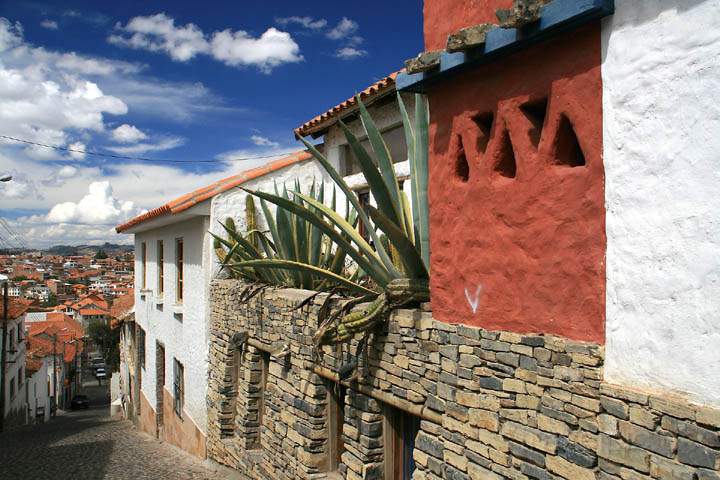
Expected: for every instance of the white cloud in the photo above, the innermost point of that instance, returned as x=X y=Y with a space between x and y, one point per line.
x=78 y=64
x=158 y=146
x=49 y=24
x=68 y=171
x=98 y=207
x=128 y=134
x=263 y=141
x=347 y=53
x=343 y=29
x=77 y=150
x=158 y=33
x=307 y=22
x=271 y=49
x=40 y=104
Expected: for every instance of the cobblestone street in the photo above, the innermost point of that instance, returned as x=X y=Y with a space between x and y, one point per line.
x=88 y=444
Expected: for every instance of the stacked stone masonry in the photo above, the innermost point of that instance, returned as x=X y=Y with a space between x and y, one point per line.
x=492 y=405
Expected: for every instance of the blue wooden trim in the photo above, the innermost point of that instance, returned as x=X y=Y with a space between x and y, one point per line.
x=555 y=17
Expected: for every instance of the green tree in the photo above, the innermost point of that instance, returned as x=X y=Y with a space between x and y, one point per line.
x=107 y=340
x=101 y=255
x=51 y=301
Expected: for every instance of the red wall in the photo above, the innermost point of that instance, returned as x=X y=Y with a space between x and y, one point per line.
x=533 y=246
x=443 y=17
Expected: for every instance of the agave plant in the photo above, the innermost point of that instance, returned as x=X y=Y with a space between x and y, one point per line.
x=397 y=256
x=292 y=252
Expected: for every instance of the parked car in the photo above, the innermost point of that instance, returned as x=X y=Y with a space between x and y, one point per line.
x=80 y=401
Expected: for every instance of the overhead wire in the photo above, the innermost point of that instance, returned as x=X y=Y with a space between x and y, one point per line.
x=141 y=159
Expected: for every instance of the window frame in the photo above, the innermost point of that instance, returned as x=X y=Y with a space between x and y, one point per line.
x=179 y=270
x=336 y=420
x=398 y=428
x=141 y=346
x=178 y=387
x=160 y=268
x=143 y=260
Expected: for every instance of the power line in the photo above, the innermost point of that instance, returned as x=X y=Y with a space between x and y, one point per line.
x=140 y=159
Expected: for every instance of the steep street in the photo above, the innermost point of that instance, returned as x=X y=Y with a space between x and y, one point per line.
x=88 y=444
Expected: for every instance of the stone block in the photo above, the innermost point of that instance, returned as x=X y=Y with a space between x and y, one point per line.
x=568 y=470
x=476 y=472
x=484 y=419
x=620 y=452
x=703 y=474
x=616 y=408
x=533 y=456
x=691 y=431
x=697 y=455
x=576 y=453
x=551 y=425
x=623 y=393
x=491 y=383
x=644 y=417
x=660 y=444
x=513 y=385
x=424 y=62
x=458 y=461
x=708 y=416
x=607 y=424
x=469 y=37
x=530 y=436
x=668 y=469
x=672 y=407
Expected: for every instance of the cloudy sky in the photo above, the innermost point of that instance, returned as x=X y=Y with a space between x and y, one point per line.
x=186 y=86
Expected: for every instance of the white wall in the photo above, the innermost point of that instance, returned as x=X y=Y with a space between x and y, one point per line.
x=37 y=390
x=16 y=361
x=185 y=336
x=661 y=78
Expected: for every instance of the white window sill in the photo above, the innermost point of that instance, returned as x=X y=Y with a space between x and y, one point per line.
x=159 y=300
x=144 y=292
x=177 y=309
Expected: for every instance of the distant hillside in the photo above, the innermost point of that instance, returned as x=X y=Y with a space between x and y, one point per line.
x=66 y=250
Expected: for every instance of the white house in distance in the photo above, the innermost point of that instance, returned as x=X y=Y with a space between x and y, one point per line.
x=174 y=263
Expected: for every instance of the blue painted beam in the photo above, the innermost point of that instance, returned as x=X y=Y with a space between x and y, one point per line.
x=556 y=17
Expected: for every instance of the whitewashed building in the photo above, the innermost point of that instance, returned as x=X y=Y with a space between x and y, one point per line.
x=14 y=374
x=174 y=263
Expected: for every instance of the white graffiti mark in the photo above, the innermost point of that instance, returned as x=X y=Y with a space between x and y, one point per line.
x=474 y=301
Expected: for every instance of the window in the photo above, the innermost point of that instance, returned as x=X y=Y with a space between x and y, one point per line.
x=395 y=141
x=143 y=259
x=178 y=386
x=21 y=376
x=141 y=346
x=11 y=340
x=179 y=252
x=264 y=368
x=161 y=267
x=336 y=416
x=12 y=388
x=20 y=332
x=399 y=431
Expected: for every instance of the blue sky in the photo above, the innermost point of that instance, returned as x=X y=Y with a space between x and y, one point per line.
x=170 y=80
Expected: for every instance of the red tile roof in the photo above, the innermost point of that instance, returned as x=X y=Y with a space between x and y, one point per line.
x=16 y=308
x=322 y=121
x=92 y=311
x=200 y=195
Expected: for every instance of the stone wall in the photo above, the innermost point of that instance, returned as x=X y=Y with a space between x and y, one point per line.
x=491 y=404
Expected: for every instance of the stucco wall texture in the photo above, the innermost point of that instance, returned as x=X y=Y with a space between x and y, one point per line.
x=519 y=244
x=661 y=79
x=184 y=336
x=443 y=17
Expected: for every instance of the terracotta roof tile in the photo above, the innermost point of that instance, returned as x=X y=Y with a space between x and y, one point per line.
x=16 y=308
x=200 y=195
x=380 y=87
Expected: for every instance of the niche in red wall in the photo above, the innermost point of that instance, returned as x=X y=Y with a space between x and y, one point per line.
x=517 y=192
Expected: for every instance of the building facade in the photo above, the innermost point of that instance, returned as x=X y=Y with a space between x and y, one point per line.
x=571 y=331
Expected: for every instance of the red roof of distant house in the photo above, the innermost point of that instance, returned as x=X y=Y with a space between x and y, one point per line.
x=200 y=195
x=64 y=329
x=382 y=86
x=92 y=311
x=16 y=308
